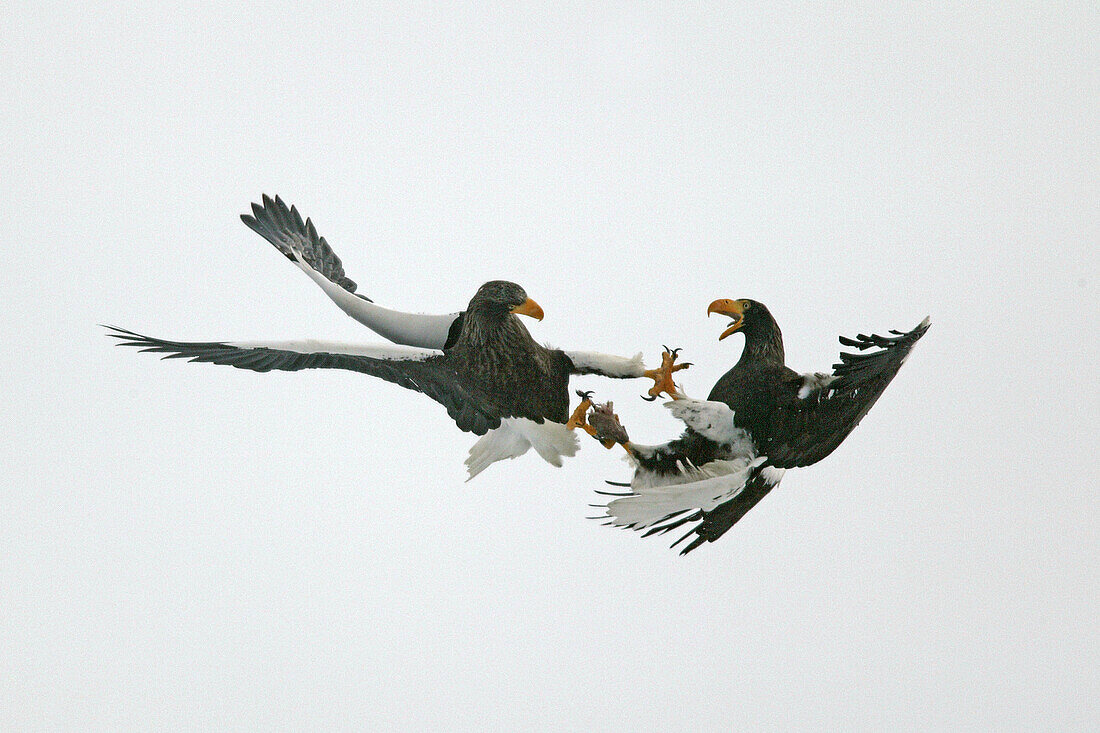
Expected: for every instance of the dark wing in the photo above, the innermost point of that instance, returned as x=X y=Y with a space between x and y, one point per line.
x=819 y=412
x=660 y=511
x=715 y=523
x=284 y=228
x=432 y=374
x=299 y=242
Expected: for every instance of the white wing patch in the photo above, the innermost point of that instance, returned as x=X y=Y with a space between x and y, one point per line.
x=515 y=436
x=814 y=381
x=608 y=365
x=701 y=488
x=411 y=329
x=712 y=420
x=312 y=346
x=772 y=475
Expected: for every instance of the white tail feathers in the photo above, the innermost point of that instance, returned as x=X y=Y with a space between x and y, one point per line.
x=701 y=488
x=515 y=436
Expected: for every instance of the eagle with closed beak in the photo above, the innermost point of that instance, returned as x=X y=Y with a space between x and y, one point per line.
x=480 y=363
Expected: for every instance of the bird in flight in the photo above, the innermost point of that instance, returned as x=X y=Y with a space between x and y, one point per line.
x=481 y=363
x=760 y=419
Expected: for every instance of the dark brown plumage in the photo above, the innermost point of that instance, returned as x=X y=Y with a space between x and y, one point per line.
x=495 y=353
x=777 y=419
x=492 y=370
x=793 y=430
x=481 y=364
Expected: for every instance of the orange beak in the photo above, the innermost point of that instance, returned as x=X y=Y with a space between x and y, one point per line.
x=731 y=308
x=529 y=308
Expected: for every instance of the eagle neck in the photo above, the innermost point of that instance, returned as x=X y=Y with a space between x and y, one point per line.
x=481 y=329
x=763 y=346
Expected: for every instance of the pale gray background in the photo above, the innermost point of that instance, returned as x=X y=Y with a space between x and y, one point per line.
x=190 y=546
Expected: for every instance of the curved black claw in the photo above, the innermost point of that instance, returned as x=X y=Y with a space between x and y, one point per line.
x=585 y=395
x=649 y=399
x=674 y=352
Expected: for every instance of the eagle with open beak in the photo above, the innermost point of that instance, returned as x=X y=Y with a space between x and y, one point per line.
x=760 y=419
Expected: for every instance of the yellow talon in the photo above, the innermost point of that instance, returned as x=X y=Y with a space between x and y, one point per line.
x=662 y=375
x=577 y=419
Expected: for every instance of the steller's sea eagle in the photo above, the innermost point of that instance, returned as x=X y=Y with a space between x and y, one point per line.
x=760 y=419
x=481 y=364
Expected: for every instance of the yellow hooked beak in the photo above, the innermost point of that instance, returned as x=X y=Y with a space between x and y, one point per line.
x=529 y=308
x=731 y=308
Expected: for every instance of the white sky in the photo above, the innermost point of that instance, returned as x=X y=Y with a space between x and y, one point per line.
x=190 y=546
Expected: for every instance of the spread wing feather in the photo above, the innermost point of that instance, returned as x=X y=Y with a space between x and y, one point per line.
x=284 y=228
x=471 y=408
x=804 y=429
x=714 y=523
x=300 y=243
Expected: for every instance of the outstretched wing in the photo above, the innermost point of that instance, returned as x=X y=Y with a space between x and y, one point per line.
x=420 y=370
x=822 y=409
x=684 y=479
x=653 y=499
x=712 y=524
x=299 y=242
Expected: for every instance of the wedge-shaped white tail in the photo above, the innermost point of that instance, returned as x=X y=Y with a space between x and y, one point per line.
x=515 y=436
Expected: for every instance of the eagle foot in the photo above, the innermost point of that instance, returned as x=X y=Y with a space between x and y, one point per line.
x=662 y=376
x=577 y=419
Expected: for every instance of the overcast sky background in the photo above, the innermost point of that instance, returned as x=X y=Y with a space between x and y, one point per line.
x=192 y=546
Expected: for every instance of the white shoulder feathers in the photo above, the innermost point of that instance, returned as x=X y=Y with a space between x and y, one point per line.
x=314 y=346
x=411 y=329
x=712 y=420
x=607 y=364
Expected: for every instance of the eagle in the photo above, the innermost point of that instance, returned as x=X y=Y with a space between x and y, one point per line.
x=760 y=419
x=481 y=363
